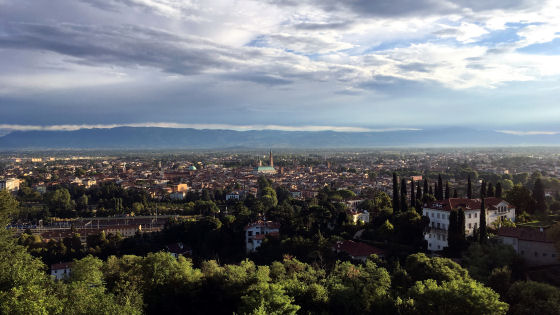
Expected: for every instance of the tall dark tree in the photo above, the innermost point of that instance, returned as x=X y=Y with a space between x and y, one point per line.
x=454 y=193
x=538 y=195
x=453 y=230
x=425 y=190
x=461 y=223
x=440 y=188
x=396 y=199
x=498 y=190
x=483 y=189
x=490 y=190
x=482 y=229
x=404 y=203
x=419 y=192
x=430 y=191
x=447 y=192
x=469 y=188
x=412 y=195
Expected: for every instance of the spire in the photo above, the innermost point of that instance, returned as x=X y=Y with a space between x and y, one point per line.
x=271 y=159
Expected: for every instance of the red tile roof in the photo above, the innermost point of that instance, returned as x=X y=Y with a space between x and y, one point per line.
x=59 y=266
x=267 y=224
x=357 y=249
x=524 y=233
x=490 y=203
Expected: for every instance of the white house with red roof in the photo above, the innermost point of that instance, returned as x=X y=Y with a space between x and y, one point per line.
x=438 y=212
x=256 y=232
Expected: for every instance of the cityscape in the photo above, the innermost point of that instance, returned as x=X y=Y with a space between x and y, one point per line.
x=279 y=157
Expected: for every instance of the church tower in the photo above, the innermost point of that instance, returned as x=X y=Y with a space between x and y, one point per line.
x=271 y=159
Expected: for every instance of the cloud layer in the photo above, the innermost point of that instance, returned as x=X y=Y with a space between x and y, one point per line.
x=278 y=62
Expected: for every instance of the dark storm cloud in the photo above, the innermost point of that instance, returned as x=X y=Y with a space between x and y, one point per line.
x=395 y=8
x=125 y=46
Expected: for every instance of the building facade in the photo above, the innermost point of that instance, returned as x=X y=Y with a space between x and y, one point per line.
x=438 y=213
x=10 y=184
x=531 y=244
x=257 y=231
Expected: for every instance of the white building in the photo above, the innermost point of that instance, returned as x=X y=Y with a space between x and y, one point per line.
x=10 y=184
x=61 y=271
x=233 y=196
x=438 y=212
x=178 y=195
x=359 y=216
x=256 y=232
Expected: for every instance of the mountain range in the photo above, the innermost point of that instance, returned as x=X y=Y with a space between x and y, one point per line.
x=186 y=138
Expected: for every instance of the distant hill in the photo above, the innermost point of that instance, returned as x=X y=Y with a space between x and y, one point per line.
x=185 y=138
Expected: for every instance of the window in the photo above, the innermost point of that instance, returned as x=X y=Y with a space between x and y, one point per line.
x=249 y=233
x=475 y=225
x=432 y=214
x=469 y=215
x=438 y=225
x=470 y=225
x=522 y=252
x=475 y=215
x=439 y=237
x=429 y=244
x=438 y=215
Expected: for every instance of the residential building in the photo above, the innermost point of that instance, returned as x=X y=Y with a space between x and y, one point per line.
x=10 y=184
x=61 y=271
x=256 y=232
x=532 y=244
x=438 y=213
x=357 y=250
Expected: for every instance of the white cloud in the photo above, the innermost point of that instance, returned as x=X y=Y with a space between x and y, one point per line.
x=15 y=127
x=529 y=133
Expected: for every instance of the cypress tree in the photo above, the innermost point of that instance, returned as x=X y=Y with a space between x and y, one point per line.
x=396 y=199
x=419 y=192
x=404 y=204
x=447 y=196
x=425 y=188
x=483 y=189
x=412 y=197
x=461 y=223
x=454 y=193
x=538 y=195
x=461 y=229
x=482 y=229
x=452 y=231
x=498 y=190
x=469 y=188
x=490 y=190
x=440 y=188
x=430 y=191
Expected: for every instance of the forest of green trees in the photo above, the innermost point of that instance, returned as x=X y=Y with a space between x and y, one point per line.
x=297 y=272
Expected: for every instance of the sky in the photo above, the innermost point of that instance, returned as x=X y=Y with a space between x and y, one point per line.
x=354 y=65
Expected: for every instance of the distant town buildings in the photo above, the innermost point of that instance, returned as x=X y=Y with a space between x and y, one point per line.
x=438 y=213
x=265 y=170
